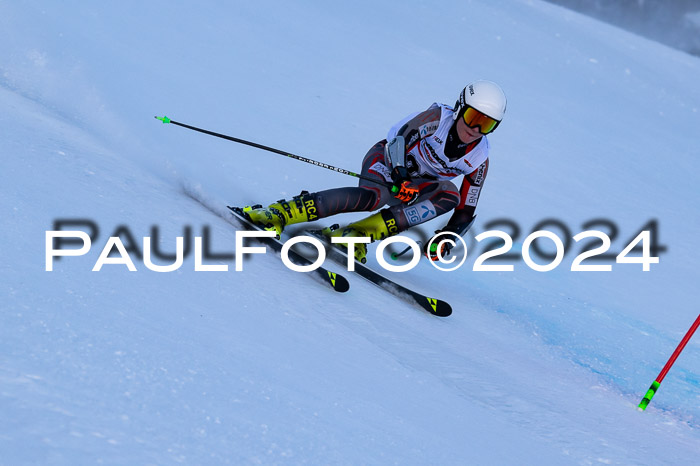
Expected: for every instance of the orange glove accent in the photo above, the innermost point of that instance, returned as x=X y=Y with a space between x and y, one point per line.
x=441 y=246
x=408 y=192
x=432 y=253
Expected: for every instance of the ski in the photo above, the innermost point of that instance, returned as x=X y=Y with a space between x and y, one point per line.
x=434 y=306
x=335 y=280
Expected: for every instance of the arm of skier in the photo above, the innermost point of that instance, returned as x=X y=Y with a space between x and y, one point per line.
x=464 y=214
x=401 y=138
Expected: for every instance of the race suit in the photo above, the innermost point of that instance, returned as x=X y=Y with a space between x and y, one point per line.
x=434 y=156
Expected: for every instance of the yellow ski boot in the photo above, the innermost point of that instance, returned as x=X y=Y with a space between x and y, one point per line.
x=375 y=227
x=277 y=216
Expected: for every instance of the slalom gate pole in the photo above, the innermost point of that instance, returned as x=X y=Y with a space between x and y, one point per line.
x=167 y=120
x=655 y=385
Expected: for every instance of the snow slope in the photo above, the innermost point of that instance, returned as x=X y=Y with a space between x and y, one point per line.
x=266 y=366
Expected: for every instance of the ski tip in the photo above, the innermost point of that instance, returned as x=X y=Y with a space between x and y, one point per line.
x=164 y=119
x=438 y=307
x=444 y=311
x=338 y=282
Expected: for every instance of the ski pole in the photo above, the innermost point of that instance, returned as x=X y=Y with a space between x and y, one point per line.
x=655 y=385
x=396 y=255
x=166 y=120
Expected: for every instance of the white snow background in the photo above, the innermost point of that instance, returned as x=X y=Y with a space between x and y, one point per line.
x=268 y=366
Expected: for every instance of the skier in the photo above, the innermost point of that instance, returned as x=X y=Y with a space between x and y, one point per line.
x=413 y=168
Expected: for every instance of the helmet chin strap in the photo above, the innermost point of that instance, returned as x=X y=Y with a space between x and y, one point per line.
x=454 y=146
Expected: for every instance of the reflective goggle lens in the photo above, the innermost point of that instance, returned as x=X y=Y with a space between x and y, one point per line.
x=473 y=118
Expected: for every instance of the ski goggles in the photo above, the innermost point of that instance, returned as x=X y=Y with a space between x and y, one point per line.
x=473 y=118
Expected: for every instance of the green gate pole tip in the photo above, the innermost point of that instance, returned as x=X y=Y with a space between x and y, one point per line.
x=649 y=395
x=164 y=119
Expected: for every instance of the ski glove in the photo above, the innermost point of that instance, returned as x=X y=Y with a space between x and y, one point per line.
x=444 y=243
x=404 y=189
x=439 y=247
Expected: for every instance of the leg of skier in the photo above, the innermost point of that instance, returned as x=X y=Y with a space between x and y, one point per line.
x=308 y=207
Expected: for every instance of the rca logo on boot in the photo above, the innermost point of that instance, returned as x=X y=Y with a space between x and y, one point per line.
x=311 y=209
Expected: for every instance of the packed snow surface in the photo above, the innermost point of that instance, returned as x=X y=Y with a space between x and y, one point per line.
x=269 y=366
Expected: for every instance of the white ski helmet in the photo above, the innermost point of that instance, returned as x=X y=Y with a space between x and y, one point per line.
x=484 y=96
